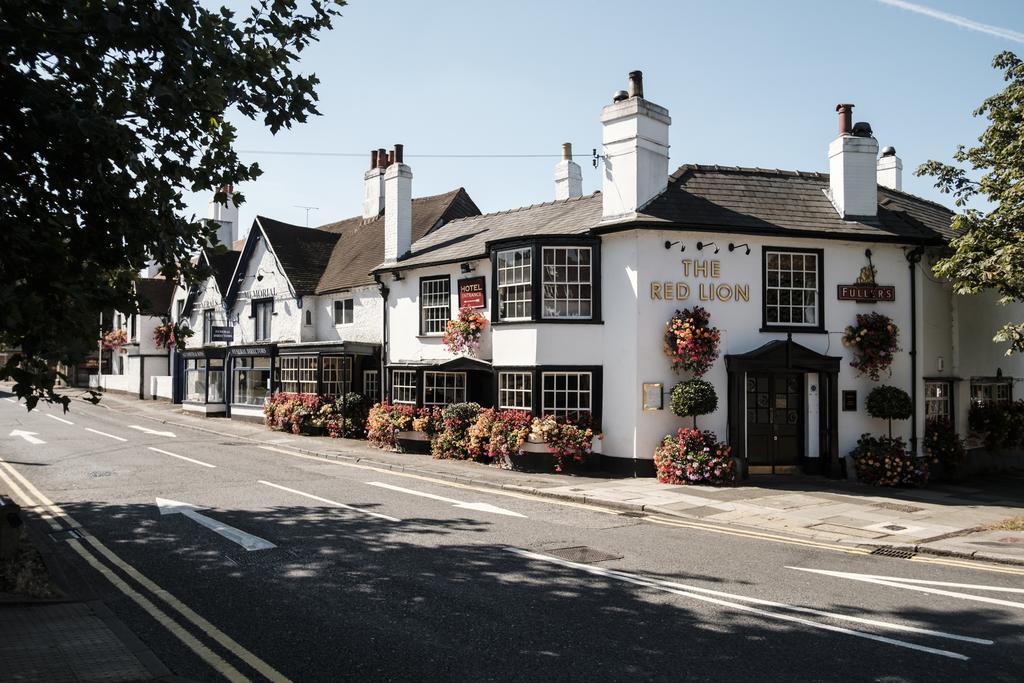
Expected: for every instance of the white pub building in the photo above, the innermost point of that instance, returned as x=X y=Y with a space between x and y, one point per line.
x=577 y=293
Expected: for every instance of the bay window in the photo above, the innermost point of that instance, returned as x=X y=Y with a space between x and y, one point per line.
x=336 y=379
x=298 y=374
x=549 y=280
x=514 y=278
x=443 y=388
x=566 y=282
x=515 y=390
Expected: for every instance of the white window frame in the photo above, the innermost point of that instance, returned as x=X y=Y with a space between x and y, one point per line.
x=515 y=283
x=549 y=398
x=371 y=384
x=336 y=375
x=515 y=390
x=985 y=391
x=789 y=291
x=347 y=308
x=443 y=388
x=298 y=374
x=403 y=386
x=208 y=314
x=938 y=399
x=249 y=367
x=435 y=305
x=262 y=313
x=567 y=284
x=195 y=375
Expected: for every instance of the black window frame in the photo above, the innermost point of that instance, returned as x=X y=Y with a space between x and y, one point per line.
x=537 y=244
x=951 y=387
x=818 y=328
x=256 y=321
x=208 y=325
x=537 y=388
x=447 y=279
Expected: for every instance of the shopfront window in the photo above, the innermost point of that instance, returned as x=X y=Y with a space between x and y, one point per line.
x=443 y=388
x=403 y=386
x=251 y=381
x=937 y=403
x=995 y=391
x=791 y=289
x=215 y=380
x=515 y=390
x=337 y=375
x=566 y=394
x=298 y=374
x=567 y=282
x=195 y=379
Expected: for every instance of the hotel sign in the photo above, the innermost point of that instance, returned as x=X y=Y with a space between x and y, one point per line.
x=867 y=294
x=471 y=293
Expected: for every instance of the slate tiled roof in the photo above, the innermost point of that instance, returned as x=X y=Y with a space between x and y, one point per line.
x=155 y=295
x=755 y=200
x=361 y=243
x=467 y=238
x=303 y=252
x=223 y=266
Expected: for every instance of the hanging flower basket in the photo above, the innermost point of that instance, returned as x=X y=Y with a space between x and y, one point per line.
x=875 y=341
x=114 y=340
x=170 y=334
x=690 y=341
x=462 y=334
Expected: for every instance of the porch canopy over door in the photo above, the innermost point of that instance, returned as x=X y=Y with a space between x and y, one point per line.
x=786 y=356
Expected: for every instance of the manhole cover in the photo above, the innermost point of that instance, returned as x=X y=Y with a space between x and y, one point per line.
x=100 y=473
x=264 y=558
x=890 y=551
x=894 y=527
x=66 y=535
x=898 y=507
x=582 y=554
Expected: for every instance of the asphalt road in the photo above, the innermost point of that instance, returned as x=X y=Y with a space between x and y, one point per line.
x=382 y=575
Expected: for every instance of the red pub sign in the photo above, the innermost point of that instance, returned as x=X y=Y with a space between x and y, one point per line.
x=471 y=293
x=866 y=293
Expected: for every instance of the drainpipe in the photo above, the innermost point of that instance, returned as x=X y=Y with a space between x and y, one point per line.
x=384 y=350
x=913 y=258
x=142 y=376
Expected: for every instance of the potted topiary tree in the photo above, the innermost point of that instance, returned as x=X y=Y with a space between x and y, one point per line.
x=694 y=397
x=889 y=403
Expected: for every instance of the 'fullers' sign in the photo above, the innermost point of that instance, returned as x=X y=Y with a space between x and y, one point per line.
x=866 y=293
x=471 y=293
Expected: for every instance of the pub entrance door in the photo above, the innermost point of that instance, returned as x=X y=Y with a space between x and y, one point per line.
x=775 y=421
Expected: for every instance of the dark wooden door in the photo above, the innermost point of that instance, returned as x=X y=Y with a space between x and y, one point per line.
x=775 y=419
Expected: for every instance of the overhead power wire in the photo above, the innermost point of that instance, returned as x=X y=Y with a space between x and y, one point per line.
x=419 y=156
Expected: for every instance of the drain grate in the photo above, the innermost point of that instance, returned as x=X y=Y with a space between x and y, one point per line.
x=100 y=473
x=894 y=527
x=582 y=554
x=65 y=535
x=892 y=551
x=897 y=507
x=264 y=558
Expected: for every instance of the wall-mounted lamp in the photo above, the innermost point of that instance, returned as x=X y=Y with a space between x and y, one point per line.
x=396 y=276
x=734 y=247
x=940 y=363
x=298 y=301
x=701 y=246
x=669 y=245
x=468 y=267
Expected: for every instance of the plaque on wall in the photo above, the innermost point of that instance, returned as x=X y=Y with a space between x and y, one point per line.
x=653 y=396
x=849 y=400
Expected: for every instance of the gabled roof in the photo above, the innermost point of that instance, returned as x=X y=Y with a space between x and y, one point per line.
x=795 y=203
x=361 y=246
x=468 y=238
x=222 y=265
x=155 y=295
x=302 y=252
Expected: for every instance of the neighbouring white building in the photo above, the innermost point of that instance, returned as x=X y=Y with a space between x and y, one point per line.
x=578 y=291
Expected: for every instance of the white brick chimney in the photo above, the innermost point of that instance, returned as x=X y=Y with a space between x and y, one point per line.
x=890 y=169
x=397 y=207
x=568 y=175
x=634 y=140
x=853 y=185
x=227 y=217
x=373 y=185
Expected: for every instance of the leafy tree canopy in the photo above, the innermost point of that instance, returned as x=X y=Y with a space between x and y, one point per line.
x=988 y=250
x=111 y=111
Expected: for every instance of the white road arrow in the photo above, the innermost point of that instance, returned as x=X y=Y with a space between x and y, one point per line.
x=28 y=436
x=152 y=431
x=247 y=541
x=481 y=507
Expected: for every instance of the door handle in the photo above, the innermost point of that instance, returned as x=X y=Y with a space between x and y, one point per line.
x=775 y=437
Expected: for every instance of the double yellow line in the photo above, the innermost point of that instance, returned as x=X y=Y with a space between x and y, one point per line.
x=58 y=520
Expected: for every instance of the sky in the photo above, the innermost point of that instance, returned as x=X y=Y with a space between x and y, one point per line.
x=747 y=83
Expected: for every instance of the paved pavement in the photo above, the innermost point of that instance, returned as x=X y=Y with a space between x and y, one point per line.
x=368 y=570
x=942 y=519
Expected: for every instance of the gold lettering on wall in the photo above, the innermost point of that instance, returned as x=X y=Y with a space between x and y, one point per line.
x=706 y=291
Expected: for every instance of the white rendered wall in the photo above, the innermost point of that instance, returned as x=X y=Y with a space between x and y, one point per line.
x=979 y=318
x=286 y=323
x=367 y=317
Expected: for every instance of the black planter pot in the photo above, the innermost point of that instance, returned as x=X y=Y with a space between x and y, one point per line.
x=530 y=462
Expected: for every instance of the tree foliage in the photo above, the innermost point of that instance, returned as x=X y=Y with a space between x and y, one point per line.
x=988 y=250
x=111 y=110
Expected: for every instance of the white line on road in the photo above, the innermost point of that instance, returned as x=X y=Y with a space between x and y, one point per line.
x=895 y=582
x=59 y=419
x=27 y=436
x=947 y=584
x=182 y=457
x=689 y=593
x=480 y=507
x=154 y=432
x=8 y=398
x=243 y=538
x=329 y=501
x=96 y=431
